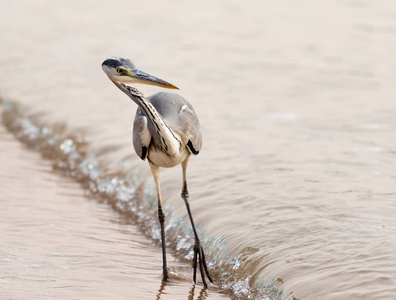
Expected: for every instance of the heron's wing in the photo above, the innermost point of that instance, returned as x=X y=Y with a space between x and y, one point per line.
x=141 y=135
x=179 y=114
x=192 y=129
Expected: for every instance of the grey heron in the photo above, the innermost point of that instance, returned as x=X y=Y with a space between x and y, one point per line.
x=166 y=131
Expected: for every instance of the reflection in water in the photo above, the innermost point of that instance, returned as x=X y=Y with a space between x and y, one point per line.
x=203 y=293
x=161 y=289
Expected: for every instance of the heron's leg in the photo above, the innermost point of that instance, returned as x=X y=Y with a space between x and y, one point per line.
x=184 y=193
x=199 y=255
x=161 y=218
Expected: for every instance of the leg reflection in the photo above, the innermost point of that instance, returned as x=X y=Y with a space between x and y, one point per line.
x=203 y=293
x=162 y=289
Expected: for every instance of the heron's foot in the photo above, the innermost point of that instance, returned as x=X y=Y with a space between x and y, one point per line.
x=199 y=257
x=165 y=276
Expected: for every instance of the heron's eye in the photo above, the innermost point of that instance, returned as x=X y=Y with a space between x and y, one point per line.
x=120 y=71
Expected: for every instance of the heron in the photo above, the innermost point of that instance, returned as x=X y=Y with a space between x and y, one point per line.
x=166 y=132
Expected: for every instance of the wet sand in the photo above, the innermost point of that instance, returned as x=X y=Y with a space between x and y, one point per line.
x=59 y=243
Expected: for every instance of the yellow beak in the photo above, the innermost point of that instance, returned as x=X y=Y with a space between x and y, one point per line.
x=139 y=76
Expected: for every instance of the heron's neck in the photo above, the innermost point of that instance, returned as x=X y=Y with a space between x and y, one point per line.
x=169 y=141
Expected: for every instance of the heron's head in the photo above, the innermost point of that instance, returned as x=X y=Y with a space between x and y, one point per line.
x=121 y=70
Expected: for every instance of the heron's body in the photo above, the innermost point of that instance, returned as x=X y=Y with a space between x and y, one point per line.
x=166 y=144
x=166 y=131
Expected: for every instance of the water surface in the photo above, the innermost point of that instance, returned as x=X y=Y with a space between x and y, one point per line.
x=294 y=189
x=60 y=243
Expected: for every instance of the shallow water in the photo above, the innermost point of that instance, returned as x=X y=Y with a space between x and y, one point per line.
x=294 y=189
x=59 y=243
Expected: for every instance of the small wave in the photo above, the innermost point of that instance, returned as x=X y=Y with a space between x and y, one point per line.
x=135 y=199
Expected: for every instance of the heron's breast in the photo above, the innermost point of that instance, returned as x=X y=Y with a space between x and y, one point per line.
x=164 y=160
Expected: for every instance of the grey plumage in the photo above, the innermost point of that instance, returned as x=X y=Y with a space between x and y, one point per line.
x=179 y=116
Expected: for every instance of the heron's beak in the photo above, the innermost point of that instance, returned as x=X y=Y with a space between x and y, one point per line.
x=139 y=76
